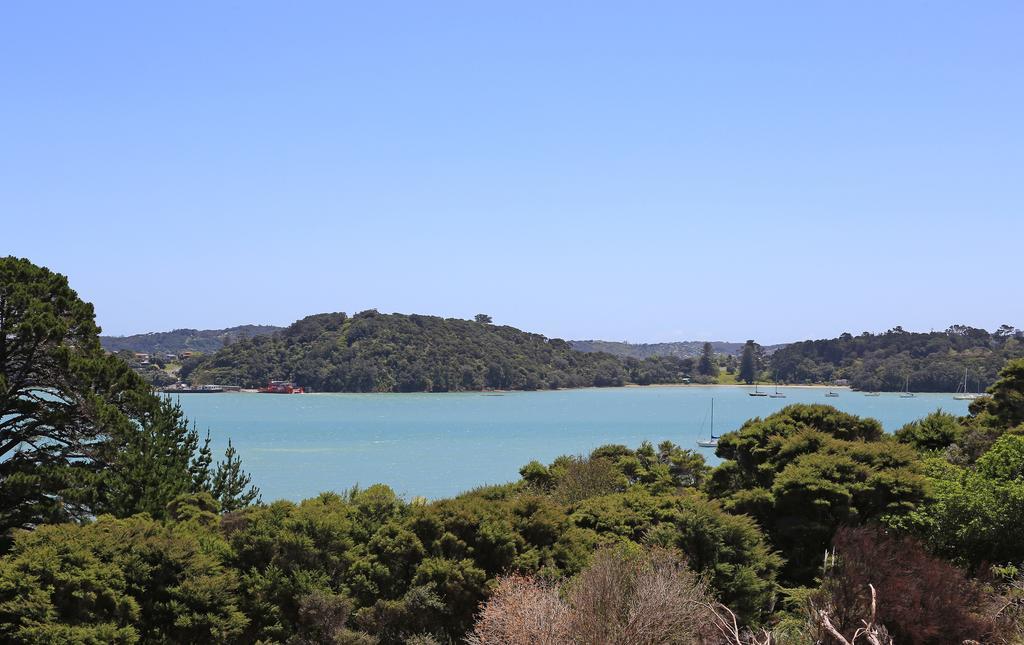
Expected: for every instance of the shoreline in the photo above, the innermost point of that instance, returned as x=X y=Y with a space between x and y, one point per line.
x=744 y=385
x=767 y=390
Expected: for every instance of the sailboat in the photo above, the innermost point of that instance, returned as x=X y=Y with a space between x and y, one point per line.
x=756 y=392
x=906 y=393
x=871 y=394
x=777 y=394
x=713 y=441
x=961 y=390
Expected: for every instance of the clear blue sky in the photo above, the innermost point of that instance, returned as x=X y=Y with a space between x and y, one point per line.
x=643 y=171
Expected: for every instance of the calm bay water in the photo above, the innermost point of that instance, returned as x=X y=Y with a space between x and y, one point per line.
x=438 y=445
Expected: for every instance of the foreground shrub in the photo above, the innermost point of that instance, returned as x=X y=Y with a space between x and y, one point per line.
x=809 y=469
x=641 y=599
x=523 y=610
x=936 y=431
x=977 y=516
x=729 y=550
x=920 y=599
x=117 y=581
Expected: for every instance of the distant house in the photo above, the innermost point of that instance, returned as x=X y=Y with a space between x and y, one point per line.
x=842 y=381
x=185 y=355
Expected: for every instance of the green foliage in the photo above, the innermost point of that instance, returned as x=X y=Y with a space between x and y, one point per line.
x=977 y=515
x=648 y=496
x=749 y=366
x=728 y=549
x=230 y=485
x=153 y=465
x=933 y=362
x=577 y=478
x=936 y=431
x=659 y=369
x=707 y=365
x=975 y=518
x=992 y=416
x=612 y=468
x=1005 y=406
x=117 y=581
x=1005 y=460
x=61 y=399
x=807 y=469
x=80 y=433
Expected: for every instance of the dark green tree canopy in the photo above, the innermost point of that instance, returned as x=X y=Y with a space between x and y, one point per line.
x=707 y=366
x=937 y=431
x=80 y=432
x=61 y=398
x=807 y=469
x=750 y=362
x=1006 y=403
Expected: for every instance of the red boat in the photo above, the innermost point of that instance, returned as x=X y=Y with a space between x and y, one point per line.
x=281 y=387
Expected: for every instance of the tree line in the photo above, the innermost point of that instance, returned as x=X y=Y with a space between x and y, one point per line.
x=895 y=359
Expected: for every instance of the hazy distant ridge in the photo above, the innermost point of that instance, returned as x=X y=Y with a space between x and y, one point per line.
x=185 y=340
x=682 y=349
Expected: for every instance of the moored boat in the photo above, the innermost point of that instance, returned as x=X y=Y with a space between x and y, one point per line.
x=906 y=393
x=962 y=394
x=713 y=441
x=281 y=387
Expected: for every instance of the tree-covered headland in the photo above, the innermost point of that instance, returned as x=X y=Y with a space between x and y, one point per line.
x=375 y=352
x=817 y=527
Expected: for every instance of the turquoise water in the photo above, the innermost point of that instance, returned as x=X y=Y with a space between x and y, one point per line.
x=438 y=445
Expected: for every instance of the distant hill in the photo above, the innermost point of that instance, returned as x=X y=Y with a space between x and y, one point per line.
x=374 y=352
x=185 y=340
x=683 y=349
x=933 y=361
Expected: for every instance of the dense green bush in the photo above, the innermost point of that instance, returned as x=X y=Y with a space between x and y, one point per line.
x=119 y=581
x=808 y=469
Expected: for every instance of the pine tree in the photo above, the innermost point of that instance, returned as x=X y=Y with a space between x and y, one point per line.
x=748 y=363
x=707 y=366
x=231 y=485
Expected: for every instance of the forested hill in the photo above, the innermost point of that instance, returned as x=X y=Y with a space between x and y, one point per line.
x=374 y=352
x=184 y=340
x=933 y=362
x=682 y=349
